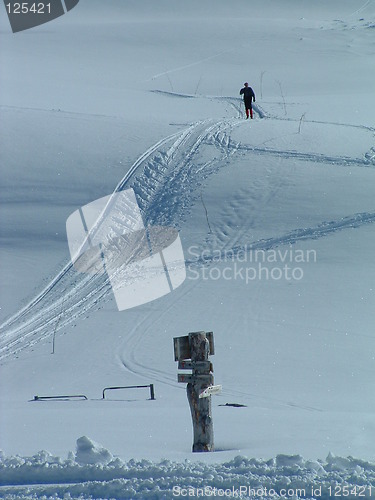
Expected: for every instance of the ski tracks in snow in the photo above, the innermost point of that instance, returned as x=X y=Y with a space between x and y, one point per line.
x=127 y=355
x=166 y=179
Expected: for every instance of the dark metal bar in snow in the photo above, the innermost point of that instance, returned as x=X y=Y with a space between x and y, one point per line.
x=151 y=386
x=74 y=396
x=152 y=392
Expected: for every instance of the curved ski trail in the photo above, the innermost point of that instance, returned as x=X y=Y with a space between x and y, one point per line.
x=166 y=179
x=164 y=171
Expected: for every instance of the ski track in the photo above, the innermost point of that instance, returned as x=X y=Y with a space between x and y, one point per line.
x=361 y=9
x=127 y=355
x=166 y=179
x=310 y=157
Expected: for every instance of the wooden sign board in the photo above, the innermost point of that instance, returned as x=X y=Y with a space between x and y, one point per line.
x=182 y=346
x=210 y=391
x=190 y=379
x=195 y=365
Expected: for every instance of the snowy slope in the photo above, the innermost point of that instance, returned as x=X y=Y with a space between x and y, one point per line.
x=121 y=95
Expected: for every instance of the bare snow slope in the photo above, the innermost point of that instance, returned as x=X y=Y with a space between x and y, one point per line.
x=112 y=82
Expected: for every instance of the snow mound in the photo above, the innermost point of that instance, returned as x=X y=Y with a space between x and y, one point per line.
x=102 y=477
x=89 y=452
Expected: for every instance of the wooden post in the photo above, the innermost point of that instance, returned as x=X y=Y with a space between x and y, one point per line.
x=198 y=348
x=200 y=407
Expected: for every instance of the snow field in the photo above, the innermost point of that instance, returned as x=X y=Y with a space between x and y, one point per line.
x=92 y=473
x=104 y=87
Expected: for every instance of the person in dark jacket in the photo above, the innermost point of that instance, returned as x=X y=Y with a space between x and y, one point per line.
x=248 y=97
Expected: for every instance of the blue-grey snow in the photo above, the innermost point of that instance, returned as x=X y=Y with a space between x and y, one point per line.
x=275 y=216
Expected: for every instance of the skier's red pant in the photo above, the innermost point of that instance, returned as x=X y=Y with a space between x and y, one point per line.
x=251 y=112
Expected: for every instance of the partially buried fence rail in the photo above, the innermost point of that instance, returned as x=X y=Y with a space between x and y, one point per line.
x=57 y=398
x=151 y=386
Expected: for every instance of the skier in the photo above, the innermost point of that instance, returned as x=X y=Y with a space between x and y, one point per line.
x=248 y=97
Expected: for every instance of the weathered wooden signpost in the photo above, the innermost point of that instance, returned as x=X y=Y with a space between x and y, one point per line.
x=192 y=353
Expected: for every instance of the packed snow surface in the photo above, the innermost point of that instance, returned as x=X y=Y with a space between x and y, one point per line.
x=47 y=476
x=276 y=219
